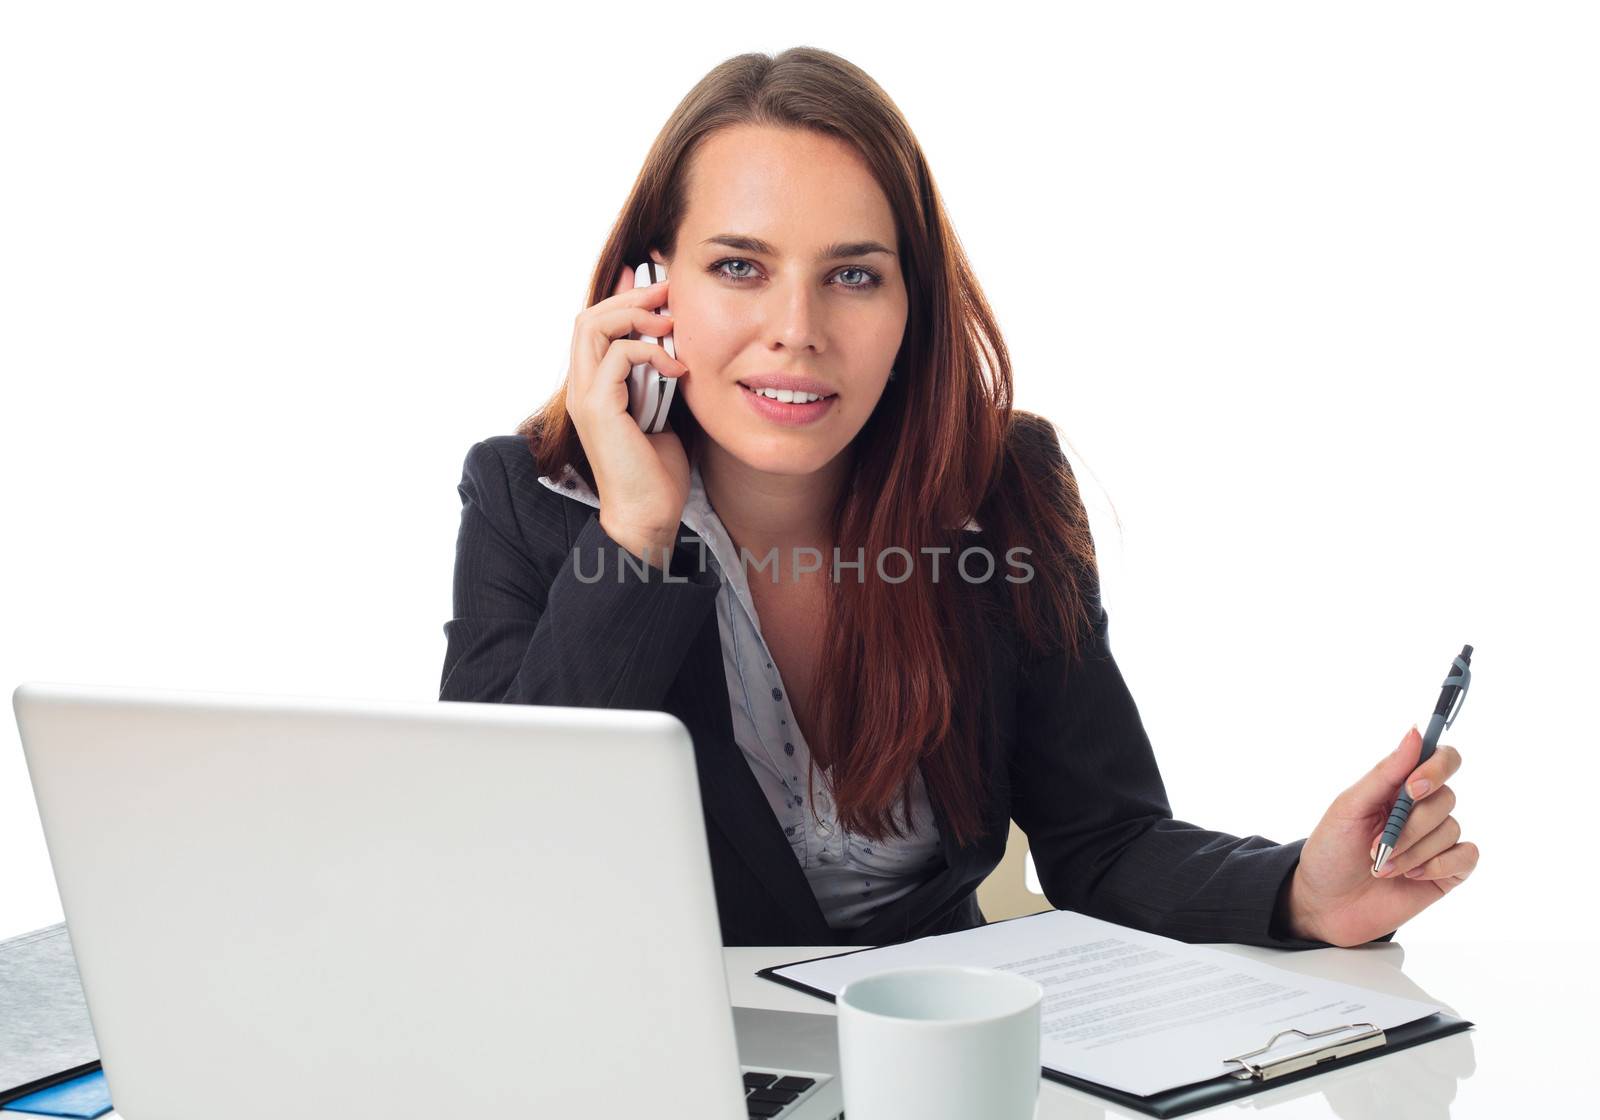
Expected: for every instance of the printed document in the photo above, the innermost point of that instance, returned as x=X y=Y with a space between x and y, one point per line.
x=1133 y=1010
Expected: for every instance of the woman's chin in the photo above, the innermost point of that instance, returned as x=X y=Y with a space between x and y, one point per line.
x=781 y=451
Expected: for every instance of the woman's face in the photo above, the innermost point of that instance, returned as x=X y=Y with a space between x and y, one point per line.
x=803 y=295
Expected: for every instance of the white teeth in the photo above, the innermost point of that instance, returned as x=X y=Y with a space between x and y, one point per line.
x=789 y=396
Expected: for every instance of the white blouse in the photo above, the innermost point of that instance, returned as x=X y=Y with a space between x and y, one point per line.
x=851 y=878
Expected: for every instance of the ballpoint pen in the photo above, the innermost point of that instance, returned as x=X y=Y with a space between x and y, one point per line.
x=1444 y=714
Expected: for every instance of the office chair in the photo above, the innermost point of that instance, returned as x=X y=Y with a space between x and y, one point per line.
x=1005 y=894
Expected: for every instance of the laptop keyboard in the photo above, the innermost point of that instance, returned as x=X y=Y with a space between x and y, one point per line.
x=770 y=1093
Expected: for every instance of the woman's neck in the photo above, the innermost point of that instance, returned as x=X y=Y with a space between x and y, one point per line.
x=764 y=511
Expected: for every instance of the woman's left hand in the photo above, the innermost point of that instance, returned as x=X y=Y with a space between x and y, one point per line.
x=1334 y=896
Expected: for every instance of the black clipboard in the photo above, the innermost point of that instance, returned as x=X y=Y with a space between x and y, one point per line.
x=1350 y=1046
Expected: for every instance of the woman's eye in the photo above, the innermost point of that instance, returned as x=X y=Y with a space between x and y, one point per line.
x=728 y=275
x=869 y=279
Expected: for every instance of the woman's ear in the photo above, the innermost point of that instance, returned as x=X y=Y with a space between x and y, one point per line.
x=655 y=255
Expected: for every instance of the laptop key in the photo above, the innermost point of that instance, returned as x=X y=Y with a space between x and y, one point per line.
x=758 y=1080
x=773 y=1096
x=762 y=1109
x=793 y=1084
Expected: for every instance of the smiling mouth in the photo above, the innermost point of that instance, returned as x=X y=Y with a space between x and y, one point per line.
x=767 y=393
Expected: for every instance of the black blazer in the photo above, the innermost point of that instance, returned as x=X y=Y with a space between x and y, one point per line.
x=1071 y=764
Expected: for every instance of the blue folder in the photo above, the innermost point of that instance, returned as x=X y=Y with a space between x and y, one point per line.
x=81 y=1098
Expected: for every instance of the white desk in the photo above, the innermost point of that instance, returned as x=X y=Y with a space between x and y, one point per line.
x=1527 y=1056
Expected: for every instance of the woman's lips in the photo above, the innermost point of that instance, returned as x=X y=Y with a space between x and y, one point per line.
x=787 y=414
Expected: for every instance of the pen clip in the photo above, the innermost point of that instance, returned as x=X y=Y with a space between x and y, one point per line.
x=1461 y=679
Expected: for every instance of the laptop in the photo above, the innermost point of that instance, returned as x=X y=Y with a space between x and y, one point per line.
x=319 y=907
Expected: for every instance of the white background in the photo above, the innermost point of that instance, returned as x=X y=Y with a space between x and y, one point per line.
x=1310 y=291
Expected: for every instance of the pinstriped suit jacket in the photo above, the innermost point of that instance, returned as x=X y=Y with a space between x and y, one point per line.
x=1071 y=764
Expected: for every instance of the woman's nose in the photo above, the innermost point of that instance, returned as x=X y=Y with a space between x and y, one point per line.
x=792 y=315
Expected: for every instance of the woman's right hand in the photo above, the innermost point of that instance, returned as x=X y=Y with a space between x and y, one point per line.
x=642 y=478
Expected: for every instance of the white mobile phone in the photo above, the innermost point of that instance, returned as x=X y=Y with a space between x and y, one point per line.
x=650 y=391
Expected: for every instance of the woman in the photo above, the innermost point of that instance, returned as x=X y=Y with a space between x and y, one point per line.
x=865 y=721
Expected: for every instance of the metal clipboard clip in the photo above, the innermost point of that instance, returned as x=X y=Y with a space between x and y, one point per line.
x=1266 y=1070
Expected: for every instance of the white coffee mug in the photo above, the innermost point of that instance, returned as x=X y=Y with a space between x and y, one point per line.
x=946 y=1042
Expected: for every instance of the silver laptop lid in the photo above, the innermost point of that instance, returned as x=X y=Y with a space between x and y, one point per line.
x=325 y=907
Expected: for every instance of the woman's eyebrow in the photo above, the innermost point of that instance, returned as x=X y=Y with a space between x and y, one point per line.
x=832 y=252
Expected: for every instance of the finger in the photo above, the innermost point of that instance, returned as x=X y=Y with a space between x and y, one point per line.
x=1435 y=772
x=651 y=295
x=1450 y=867
x=1429 y=844
x=604 y=314
x=611 y=375
x=1378 y=785
x=615 y=322
x=600 y=326
x=1425 y=816
x=626 y=295
x=624 y=284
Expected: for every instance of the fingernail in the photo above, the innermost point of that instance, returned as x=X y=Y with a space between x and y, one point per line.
x=1389 y=869
x=1420 y=787
x=1374 y=853
x=1403 y=739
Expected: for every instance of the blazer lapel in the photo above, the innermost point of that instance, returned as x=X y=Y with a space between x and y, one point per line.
x=729 y=792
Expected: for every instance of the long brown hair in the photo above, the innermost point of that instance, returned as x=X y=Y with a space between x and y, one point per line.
x=903 y=664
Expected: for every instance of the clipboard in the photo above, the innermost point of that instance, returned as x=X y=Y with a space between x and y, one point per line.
x=1333 y=1048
